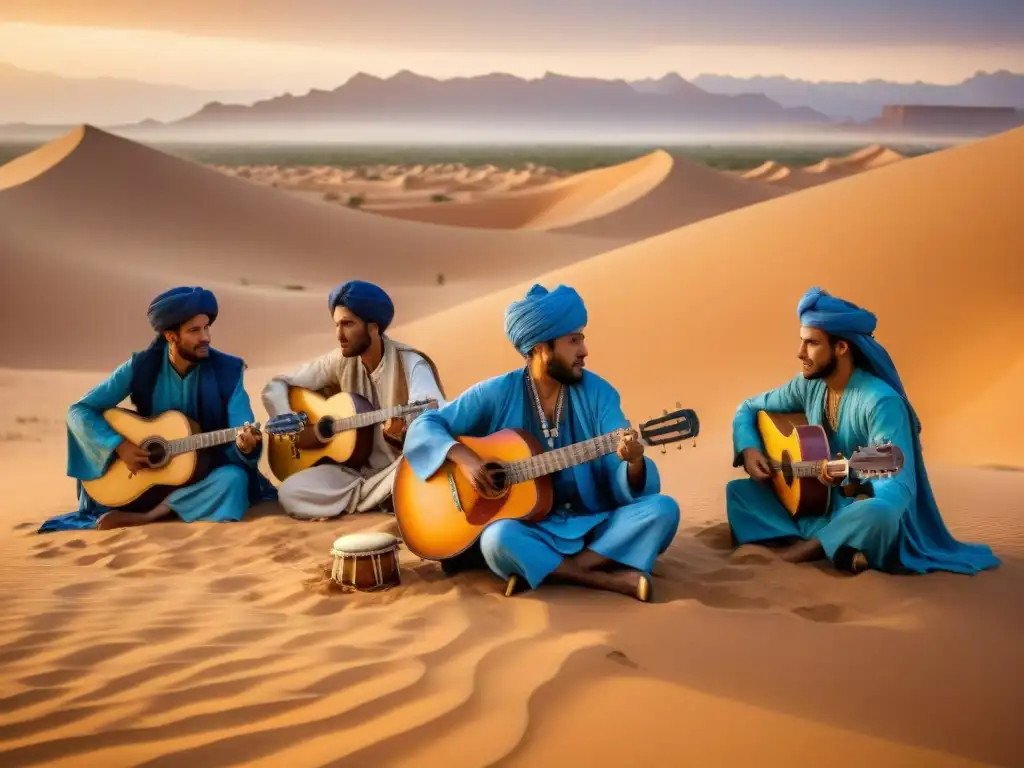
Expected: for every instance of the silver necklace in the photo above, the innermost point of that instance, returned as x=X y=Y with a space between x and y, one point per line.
x=549 y=432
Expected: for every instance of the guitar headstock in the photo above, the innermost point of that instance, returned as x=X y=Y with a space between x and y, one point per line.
x=286 y=424
x=881 y=460
x=671 y=427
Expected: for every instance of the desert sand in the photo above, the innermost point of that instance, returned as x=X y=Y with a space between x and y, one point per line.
x=213 y=645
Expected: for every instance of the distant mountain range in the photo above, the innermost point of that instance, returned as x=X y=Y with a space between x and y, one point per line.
x=863 y=101
x=407 y=96
x=44 y=98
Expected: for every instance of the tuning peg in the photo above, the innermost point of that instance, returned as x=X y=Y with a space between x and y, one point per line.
x=664 y=449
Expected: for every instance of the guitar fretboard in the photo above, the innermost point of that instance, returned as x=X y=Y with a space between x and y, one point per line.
x=376 y=417
x=550 y=462
x=809 y=468
x=202 y=440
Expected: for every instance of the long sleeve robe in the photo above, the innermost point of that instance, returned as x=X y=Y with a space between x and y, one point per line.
x=898 y=528
x=594 y=504
x=329 y=490
x=221 y=496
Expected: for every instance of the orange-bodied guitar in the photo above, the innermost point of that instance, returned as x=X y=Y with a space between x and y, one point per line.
x=176 y=458
x=443 y=515
x=346 y=420
x=795 y=450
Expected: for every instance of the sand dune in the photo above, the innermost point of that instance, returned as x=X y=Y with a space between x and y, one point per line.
x=743 y=274
x=636 y=199
x=215 y=645
x=102 y=209
x=827 y=169
x=395 y=185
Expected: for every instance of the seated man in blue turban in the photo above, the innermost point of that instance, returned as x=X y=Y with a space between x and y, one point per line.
x=178 y=371
x=369 y=363
x=609 y=520
x=850 y=387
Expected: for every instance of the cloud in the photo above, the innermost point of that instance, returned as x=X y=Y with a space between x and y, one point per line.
x=568 y=25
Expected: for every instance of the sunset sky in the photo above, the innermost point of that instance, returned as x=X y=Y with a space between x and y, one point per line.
x=293 y=45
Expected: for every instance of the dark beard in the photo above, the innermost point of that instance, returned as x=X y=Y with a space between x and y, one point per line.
x=355 y=350
x=563 y=374
x=188 y=356
x=827 y=371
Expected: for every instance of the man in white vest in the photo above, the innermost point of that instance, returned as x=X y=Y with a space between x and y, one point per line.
x=368 y=363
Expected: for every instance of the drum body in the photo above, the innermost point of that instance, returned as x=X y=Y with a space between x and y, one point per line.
x=366 y=561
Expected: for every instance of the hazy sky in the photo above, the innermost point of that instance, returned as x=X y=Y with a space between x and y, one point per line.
x=294 y=45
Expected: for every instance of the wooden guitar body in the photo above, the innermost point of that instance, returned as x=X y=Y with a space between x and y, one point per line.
x=788 y=438
x=350 y=448
x=443 y=516
x=118 y=489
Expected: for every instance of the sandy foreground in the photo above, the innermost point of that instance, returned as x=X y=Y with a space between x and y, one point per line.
x=212 y=645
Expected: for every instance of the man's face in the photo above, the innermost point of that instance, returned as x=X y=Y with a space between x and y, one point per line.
x=564 y=360
x=191 y=341
x=816 y=353
x=352 y=333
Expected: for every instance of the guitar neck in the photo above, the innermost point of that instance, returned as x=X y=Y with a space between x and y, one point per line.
x=550 y=462
x=810 y=468
x=202 y=440
x=374 y=417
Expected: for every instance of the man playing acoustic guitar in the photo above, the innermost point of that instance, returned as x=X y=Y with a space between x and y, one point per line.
x=609 y=520
x=368 y=363
x=850 y=387
x=178 y=371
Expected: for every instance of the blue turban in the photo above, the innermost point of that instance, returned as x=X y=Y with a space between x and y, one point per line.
x=820 y=309
x=368 y=302
x=544 y=315
x=925 y=544
x=172 y=308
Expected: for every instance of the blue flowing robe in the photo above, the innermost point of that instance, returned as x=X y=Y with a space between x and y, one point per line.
x=594 y=505
x=222 y=496
x=898 y=529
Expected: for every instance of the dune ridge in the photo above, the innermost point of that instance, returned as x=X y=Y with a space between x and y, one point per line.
x=825 y=170
x=640 y=198
x=132 y=216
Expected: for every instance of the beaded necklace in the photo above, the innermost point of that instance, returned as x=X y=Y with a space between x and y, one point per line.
x=549 y=432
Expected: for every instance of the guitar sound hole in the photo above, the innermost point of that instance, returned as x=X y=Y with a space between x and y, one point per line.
x=157 y=450
x=787 y=468
x=498 y=475
x=325 y=427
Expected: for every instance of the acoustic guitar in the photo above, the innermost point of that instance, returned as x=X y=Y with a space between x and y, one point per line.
x=176 y=458
x=442 y=516
x=345 y=420
x=795 y=450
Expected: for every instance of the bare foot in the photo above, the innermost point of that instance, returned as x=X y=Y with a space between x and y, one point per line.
x=634 y=584
x=117 y=518
x=803 y=551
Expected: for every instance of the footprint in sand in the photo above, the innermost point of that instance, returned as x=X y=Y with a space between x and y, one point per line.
x=729 y=573
x=83 y=589
x=47 y=553
x=76 y=544
x=620 y=658
x=24 y=526
x=91 y=559
x=828 y=613
x=722 y=597
x=234 y=584
x=752 y=555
